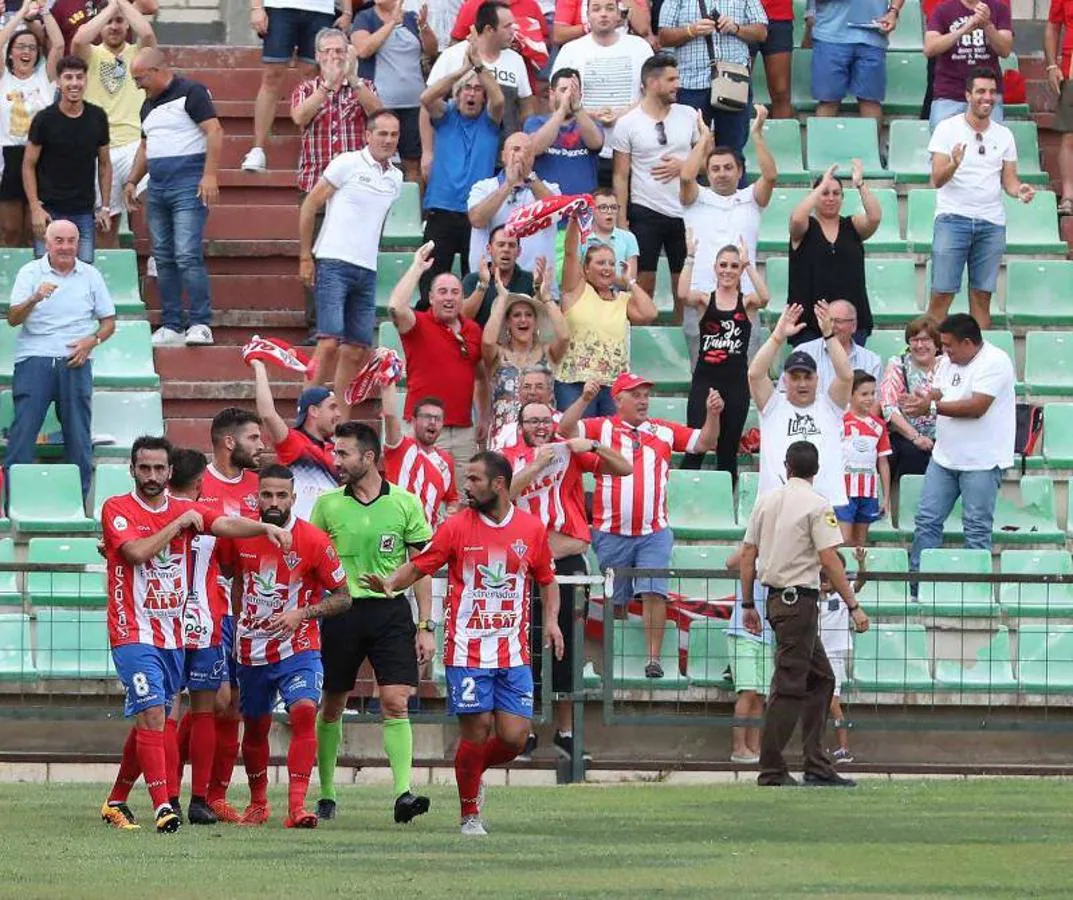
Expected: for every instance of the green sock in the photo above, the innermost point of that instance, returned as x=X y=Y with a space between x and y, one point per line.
x=399 y=747
x=329 y=737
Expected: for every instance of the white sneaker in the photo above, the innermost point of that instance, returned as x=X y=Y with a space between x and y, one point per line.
x=150 y=267
x=199 y=336
x=254 y=161
x=167 y=337
x=472 y=826
x=744 y=759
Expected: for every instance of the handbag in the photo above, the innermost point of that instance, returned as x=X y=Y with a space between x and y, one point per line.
x=730 y=81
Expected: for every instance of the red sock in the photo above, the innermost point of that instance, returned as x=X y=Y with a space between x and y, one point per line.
x=301 y=754
x=171 y=756
x=469 y=764
x=202 y=743
x=224 y=756
x=497 y=752
x=255 y=756
x=130 y=769
x=184 y=743
x=151 y=757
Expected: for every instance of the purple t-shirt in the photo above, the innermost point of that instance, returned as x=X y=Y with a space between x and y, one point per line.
x=971 y=50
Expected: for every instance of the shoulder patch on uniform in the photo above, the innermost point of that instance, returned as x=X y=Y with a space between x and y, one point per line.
x=829 y=518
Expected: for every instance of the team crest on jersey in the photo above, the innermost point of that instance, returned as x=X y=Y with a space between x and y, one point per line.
x=387 y=543
x=519 y=547
x=251 y=501
x=291 y=559
x=119 y=523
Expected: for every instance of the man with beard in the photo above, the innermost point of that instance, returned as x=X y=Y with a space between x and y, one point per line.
x=373 y=525
x=479 y=288
x=278 y=640
x=547 y=483
x=147 y=544
x=536 y=386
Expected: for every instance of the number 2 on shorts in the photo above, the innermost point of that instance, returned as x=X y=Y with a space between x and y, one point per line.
x=469 y=689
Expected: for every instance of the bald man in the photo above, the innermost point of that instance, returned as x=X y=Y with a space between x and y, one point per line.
x=68 y=313
x=180 y=148
x=844 y=319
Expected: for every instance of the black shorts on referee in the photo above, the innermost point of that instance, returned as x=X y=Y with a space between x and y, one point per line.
x=381 y=630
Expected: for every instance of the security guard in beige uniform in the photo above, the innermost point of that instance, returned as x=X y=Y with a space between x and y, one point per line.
x=794 y=532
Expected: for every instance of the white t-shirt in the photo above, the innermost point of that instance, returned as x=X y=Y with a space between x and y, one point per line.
x=986 y=442
x=610 y=76
x=975 y=190
x=21 y=100
x=859 y=358
x=637 y=134
x=355 y=214
x=510 y=74
x=717 y=221
x=834 y=624
x=540 y=244
x=820 y=423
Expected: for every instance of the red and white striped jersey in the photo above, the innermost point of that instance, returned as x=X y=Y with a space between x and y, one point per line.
x=274 y=581
x=489 y=566
x=864 y=440
x=556 y=495
x=426 y=473
x=636 y=504
x=146 y=602
x=510 y=434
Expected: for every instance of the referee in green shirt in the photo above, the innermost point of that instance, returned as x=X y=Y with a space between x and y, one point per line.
x=375 y=527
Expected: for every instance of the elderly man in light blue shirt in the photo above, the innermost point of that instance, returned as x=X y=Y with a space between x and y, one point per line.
x=65 y=312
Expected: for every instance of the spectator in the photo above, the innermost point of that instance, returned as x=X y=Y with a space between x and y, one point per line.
x=531 y=35
x=181 y=145
x=723 y=214
x=803 y=412
x=865 y=452
x=359 y=189
x=1059 y=32
x=911 y=437
x=651 y=143
x=963 y=36
x=972 y=398
x=574 y=19
x=109 y=86
x=468 y=123
x=286 y=26
x=777 y=49
x=67 y=149
x=536 y=385
x=502 y=254
x=600 y=304
x=973 y=160
x=390 y=44
x=443 y=356
x=27 y=86
x=834 y=634
x=71 y=15
x=703 y=33
x=441 y=19
x=610 y=62
x=605 y=232
x=642 y=540
x=849 y=54
x=567 y=143
x=512 y=342
x=827 y=251
x=66 y=312
x=330 y=109
x=844 y=321
x=725 y=325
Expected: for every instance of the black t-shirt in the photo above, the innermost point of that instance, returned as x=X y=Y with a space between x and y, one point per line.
x=67 y=167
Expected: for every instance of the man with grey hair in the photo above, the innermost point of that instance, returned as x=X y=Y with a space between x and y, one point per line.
x=537 y=385
x=844 y=319
x=67 y=313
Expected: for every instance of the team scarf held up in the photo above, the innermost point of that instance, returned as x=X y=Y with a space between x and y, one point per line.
x=533 y=217
x=278 y=353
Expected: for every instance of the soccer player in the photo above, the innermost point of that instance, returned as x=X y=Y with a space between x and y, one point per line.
x=278 y=640
x=493 y=551
x=147 y=536
x=374 y=525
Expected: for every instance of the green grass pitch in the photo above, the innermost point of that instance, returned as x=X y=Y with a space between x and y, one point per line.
x=966 y=839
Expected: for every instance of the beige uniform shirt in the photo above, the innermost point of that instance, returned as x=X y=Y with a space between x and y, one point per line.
x=789 y=527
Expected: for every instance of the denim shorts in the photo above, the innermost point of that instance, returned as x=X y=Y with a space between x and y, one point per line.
x=293 y=29
x=959 y=240
x=346 y=302
x=648 y=551
x=946 y=109
x=859 y=510
x=841 y=70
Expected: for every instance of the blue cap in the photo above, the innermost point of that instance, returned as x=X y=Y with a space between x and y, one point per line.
x=311 y=396
x=799 y=359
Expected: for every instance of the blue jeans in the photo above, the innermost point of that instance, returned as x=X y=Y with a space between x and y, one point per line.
x=38 y=381
x=346 y=302
x=730 y=128
x=177 y=227
x=648 y=551
x=945 y=109
x=977 y=488
x=86 y=225
x=567 y=393
x=957 y=240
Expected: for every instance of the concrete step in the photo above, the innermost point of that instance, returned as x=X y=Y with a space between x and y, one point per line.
x=271 y=188
x=218 y=365
x=253 y=223
x=282 y=151
x=213 y=56
x=235 y=327
x=236 y=116
x=272 y=256
x=262 y=295
x=240 y=84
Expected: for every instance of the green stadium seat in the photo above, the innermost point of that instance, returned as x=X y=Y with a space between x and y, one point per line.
x=390 y=267
x=748 y=483
x=761 y=92
x=952 y=598
x=1006 y=63
x=909 y=35
x=1030 y=519
x=47 y=498
x=50 y=426
x=125 y=416
x=1039 y=292
x=799 y=27
x=10 y=595
x=664 y=290
x=7 y=351
x=708 y=657
x=631 y=657
x=840 y=140
x=907 y=78
x=109 y=480
x=891 y=657
x=120 y=271
x=403 y=225
x=801 y=81
x=887 y=343
x=660 y=354
x=885 y=598
x=126 y=359
x=992 y=672
x=1045 y=600
x=702 y=556
x=673 y=409
x=777 y=277
x=1045 y=659
x=1048 y=362
x=892 y=290
x=1058 y=435
x=783 y=139
x=700 y=505
x=909 y=488
x=65 y=588
x=908 y=156
x=775 y=223
x=16 y=655
x=1030 y=228
x=73 y=643
x=1026 y=138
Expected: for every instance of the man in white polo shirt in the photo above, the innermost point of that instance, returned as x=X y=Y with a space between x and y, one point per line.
x=359 y=188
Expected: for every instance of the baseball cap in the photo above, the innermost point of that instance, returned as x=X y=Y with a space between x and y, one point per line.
x=311 y=396
x=799 y=359
x=627 y=381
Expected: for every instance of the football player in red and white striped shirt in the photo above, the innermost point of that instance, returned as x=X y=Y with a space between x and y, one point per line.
x=865 y=451
x=629 y=515
x=493 y=551
x=277 y=639
x=147 y=536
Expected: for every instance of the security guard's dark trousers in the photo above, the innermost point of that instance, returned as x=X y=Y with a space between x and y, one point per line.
x=801 y=688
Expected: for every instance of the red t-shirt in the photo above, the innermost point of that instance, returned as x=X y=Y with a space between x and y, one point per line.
x=1061 y=14
x=313 y=465
x=970 y=52
x=777 y=10
x=441 y=362
x=71 y=15
x=556 y=495
x=527 y=16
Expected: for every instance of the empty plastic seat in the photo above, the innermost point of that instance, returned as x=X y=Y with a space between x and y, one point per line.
x=891 y=657
x=702 y=556
x=390 y=267
x=1026 y=137
x=840 y=140
x=907 y=78
x=1045 y=659
x=671 y=409
x=892 y=290
x=801 y=81
x=909 y=35
x=126 y=359
x=65 y=588
x=663 y=296
x=777 y=277
x=1047 y=600
x=47 y=498
x=992 y=671
x=954 y=598
x=73 y=643
x=783 y=139
x=109 y=480
x=748 y=483
x=11 y=260
x=51 y=425
x=120 y=271
x=908 y=157
x=631 y=657
x=708 y=657
x=886 y=343
x=1049 y=362
x=403 y=225
x=125 y=416
x=700 y=505
x=660 y=354
x=1039 y=292
x=9 y=584
x=884 y=598
x=1058 y=435
x=1030 y=518
x=775 y=224
x=7 y=351
x=16 y=654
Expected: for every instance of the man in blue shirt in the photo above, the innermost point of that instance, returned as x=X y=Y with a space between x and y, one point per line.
x=65 y=312
x=567 y=143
